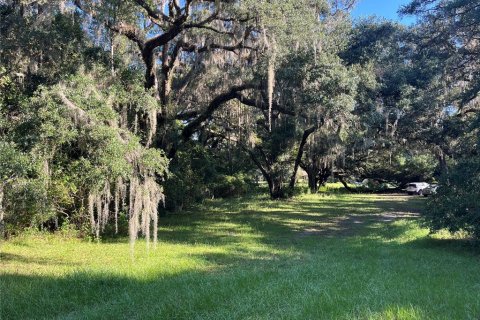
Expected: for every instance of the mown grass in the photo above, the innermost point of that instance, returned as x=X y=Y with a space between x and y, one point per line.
x=316 y=257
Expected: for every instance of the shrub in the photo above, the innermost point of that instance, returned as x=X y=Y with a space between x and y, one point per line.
x=456 y=206
x=191 y=173
x=198 y=174
x=231 y=186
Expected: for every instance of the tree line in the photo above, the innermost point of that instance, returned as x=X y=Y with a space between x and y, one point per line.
x=113 y=111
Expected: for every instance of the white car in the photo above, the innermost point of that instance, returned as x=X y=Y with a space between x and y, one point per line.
x=416 y=187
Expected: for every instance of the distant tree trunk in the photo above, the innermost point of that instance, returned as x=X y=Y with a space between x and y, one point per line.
x=275 y=186
x=345 y=184
x=312 y=181
x=112 y=53
x=442 y=161
x=316 y=177
x=276 y=189
x=2 y=213
x=323 y=175
x=298 y=159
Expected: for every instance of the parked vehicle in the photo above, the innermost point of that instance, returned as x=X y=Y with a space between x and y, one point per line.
x=432 y=189
x=416 y=188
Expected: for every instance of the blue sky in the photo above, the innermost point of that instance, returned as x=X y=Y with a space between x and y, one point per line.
x=381 y=8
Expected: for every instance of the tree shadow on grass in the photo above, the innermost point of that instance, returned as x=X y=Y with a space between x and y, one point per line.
x=16 y=258
x=460 y=247
x=292 y=225
x=332 y=280
x=277 y=221
x=333 y=269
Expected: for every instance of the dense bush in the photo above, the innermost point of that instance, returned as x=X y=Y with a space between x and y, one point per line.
x=55 y=157
x=200 y=173
x=191 y=172
x=231 y=185
x=401 y=168
x=456 y=206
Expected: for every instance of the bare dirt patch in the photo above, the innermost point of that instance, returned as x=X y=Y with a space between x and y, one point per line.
x=352 y=224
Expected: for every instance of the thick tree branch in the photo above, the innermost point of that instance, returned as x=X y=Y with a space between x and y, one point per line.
x=298 y=159
x=264 y=172
x=341 y=178
x=157 y=17
x=263 y=105
x=209 y=19
x=212 y=107
x=129 y=31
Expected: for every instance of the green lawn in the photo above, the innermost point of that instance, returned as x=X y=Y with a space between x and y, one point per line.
x=316 y=257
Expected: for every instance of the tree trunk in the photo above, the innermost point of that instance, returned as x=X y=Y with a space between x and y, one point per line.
x=442 y=161
x=2 y=213
x=274 y=183
x=323 y=175
x=316 y=177
x=345 y=184
x=305 y=136
x=312 y=181
x=275 y=188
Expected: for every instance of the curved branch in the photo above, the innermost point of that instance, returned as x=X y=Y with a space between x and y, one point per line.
x=212 y=107
x=208 y=19
x=298 y=159
x=263 y=105
x=158 y=17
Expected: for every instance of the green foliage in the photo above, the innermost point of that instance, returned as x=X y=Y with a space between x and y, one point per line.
x=456 y=205
x=199 y=173
x=13 y=163
x=288 y=21
x=399 y=166
x=40 y=48
x=370 y=41
x=94 y=95
x=231 y=185
x=67 y=142
x=191 y=173
x=27 y=205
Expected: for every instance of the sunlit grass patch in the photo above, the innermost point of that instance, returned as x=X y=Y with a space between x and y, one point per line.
x=322 y=256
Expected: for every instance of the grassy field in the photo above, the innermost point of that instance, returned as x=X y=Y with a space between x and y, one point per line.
x=315 y=257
